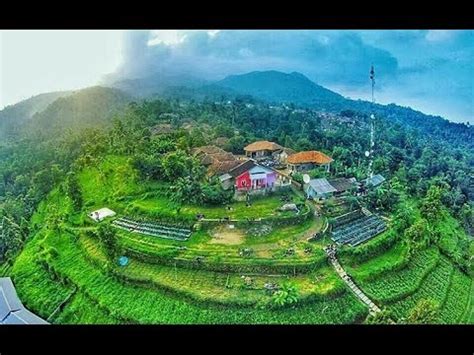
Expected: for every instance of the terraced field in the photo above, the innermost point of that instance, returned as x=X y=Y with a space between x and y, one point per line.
x=107 y=299
x=428 y=275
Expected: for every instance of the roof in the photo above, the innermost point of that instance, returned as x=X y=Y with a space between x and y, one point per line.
x=162 y=128
x=222 y=167
x=224 y=177
x=242 y=168
x=210 y=155
x=12 y=310
x=311 y=156
x=208 y=149
x=375 y=180
x=342 y=184
x=321 y=186
x=9 y=301
x=99 y=215
x=262 y=145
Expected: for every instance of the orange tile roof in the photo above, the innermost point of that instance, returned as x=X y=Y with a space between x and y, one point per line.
x=262 y=145
x=311 y=156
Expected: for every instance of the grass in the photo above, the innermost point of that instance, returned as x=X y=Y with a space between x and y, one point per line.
x=376 y=266
x=82 y=310
x=151 y=291
x=101 y=298
x=213 y=286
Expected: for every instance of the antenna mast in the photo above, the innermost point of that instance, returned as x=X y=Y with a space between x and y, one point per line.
x=372 y=125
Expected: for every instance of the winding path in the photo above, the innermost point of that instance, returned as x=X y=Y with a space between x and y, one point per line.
x=373 y=308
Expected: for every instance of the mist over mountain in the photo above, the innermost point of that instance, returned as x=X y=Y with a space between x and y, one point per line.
x=13 y=116
x=53 y=114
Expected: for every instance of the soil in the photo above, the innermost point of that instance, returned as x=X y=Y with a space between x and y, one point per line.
x=225 y=235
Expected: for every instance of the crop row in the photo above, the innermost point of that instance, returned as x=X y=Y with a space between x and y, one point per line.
x=396 y=285
x=457 y=298
x=434 y=286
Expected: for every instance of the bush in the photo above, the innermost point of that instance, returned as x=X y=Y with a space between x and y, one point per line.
x=372 y=248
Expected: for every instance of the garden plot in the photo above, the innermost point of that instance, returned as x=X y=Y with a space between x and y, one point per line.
x=227 y=234
x=357 y=228
x=154 y=229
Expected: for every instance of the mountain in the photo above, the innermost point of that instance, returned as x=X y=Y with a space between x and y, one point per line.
x=13 y=116
x=155 y=84
x=275 y=86
x=87 y=108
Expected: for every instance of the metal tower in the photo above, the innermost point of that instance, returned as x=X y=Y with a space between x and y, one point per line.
x=370 y=152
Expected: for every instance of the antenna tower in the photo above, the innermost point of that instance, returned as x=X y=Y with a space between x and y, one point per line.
x=372 y=125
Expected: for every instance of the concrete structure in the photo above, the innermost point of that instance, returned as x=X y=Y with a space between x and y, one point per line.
x=101 y=214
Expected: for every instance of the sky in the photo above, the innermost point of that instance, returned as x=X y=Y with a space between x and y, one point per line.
x=432 y=71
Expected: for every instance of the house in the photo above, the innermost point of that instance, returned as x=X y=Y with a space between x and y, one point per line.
x=324 y=188
x=162 y=129
x=319 y=189
x=248 y=176
x=12 y=310
x=375 y=180
x=304 y=161
x=217 y=160
x=281 y=156
x=210 y=154
x=261 y=149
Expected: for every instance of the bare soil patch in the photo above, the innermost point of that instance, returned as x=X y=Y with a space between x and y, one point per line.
x=227 y=235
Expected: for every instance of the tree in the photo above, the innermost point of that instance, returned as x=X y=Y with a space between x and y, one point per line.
x=73 y=190
x=431 y=206
x=108 y=238
x=424 y=312
x=417 y=236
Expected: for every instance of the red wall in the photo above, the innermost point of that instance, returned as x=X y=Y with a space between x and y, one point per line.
x=243 y=181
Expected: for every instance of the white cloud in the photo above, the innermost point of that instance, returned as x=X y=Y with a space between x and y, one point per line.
x=439 y=35
x=167 y=37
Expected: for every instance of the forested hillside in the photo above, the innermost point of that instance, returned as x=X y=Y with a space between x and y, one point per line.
x=12 y=117
x=88 y=108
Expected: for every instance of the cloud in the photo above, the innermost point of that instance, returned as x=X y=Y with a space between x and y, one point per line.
x=322 y=55
x=435 y=67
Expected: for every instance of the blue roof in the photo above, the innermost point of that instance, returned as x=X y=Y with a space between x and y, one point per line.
x=321 y=186
x=375 y=180
x=12 y=310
